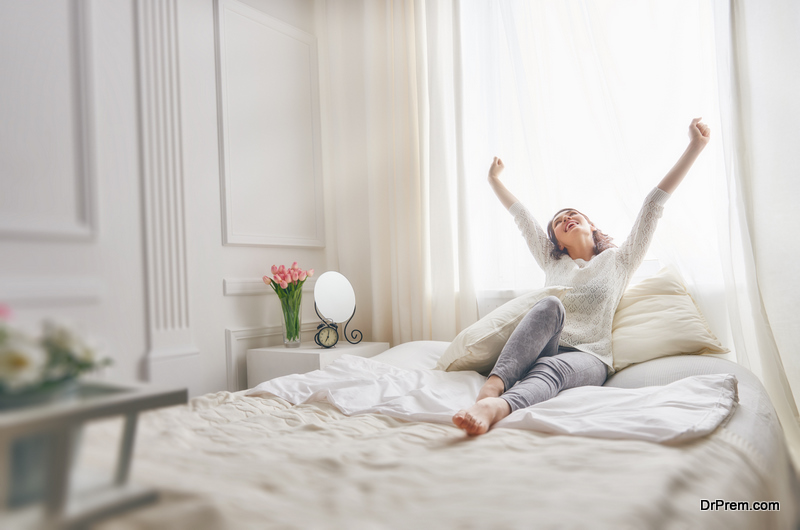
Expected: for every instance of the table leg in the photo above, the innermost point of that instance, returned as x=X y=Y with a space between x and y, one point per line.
x=126 y=449
x=59 y=470
x=5 y=471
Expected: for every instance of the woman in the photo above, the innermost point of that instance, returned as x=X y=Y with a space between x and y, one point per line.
x=560 y=345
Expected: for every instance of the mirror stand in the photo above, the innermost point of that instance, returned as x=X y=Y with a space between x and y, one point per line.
x=353 y=333
x=327 y=322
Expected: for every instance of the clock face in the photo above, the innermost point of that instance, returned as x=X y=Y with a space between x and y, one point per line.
x=328 y=337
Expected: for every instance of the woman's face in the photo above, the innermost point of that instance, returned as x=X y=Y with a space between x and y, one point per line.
x=570 y=226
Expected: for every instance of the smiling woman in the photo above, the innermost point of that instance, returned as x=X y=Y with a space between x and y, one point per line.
x=566 y=343
x=562 y=225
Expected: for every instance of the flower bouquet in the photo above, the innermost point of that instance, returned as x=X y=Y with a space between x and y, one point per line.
x=35 y=369
x=288 y=285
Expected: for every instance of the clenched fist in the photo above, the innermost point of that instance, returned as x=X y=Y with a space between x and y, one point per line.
x=699 y=132
x=496 y=169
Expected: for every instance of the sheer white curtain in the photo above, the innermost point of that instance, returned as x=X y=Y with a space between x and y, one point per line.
x=394 y=95
x=756 y=345
x=588 y=103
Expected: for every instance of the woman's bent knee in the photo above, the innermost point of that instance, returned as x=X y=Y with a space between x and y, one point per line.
x=552 y=305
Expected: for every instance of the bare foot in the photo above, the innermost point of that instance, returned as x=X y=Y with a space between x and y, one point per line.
x=493 y=387
x=482 y=415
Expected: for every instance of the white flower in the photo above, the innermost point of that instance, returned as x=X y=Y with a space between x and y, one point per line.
x=62 y=336
x=21 y=364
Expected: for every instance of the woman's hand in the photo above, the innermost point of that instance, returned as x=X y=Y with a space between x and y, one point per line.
x=500 y=190
x=699 y=136
x=699 y=132
x=496 y=169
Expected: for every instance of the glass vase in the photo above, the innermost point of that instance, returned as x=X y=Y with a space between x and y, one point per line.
x=291 y=305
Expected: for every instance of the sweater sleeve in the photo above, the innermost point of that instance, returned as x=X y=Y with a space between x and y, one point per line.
x=632 y=252
x=536 y=238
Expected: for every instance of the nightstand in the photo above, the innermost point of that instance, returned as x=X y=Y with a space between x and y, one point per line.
x=264 y=364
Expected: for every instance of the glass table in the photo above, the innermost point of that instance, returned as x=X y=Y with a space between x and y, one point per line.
x=58 y=424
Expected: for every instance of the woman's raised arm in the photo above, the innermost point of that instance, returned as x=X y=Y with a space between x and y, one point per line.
x=699 y=136
x=534 y=235
x=500 y=190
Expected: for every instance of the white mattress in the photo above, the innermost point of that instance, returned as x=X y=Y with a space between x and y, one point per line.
x=232 y=461
x=754 y=421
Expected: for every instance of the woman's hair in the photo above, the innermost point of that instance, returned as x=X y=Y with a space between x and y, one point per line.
x=602 y=241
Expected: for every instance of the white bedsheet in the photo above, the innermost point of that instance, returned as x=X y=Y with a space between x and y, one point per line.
x=227 y=460
x=683 y=410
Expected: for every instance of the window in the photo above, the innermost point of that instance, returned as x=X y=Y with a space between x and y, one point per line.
x=588 y=104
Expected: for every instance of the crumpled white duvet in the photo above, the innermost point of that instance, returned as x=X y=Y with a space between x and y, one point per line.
x=686 y=409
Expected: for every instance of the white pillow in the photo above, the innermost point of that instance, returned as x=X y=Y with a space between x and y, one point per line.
x=478 y=346
x=414 y=355
x=657 y=317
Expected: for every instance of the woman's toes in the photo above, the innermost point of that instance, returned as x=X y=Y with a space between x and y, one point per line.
x=469 y=422
x=475 y=421
x=458 y=418
x=476 y=427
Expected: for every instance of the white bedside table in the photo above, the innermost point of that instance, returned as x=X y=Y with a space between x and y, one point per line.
x=264 y=364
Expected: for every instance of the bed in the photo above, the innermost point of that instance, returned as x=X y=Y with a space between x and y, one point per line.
x=228 y=460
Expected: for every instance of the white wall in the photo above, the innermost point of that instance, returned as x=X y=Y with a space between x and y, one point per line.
x=62 y=255
x=225 y=325
x=160 y=308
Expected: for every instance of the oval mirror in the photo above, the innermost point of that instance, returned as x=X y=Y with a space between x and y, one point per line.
x=334 y=296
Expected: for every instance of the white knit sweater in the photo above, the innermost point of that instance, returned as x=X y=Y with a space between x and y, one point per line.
x=597 y=284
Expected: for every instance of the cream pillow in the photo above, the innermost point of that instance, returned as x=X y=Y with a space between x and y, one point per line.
x=657 y=317
x=478 y=346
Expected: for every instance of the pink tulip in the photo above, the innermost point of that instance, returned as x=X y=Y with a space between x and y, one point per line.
x=274 y=269
x=284 y=285
x=302 y=276
x=5 y=312
x=295 y=274
x=294 y=265
x=266 y=280
x=278 y=278
x=282 y=269
x=310 y=273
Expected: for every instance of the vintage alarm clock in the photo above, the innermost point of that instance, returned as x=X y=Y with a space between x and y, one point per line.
x=327 y=335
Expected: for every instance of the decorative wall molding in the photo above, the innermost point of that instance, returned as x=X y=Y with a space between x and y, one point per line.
x=238 y=341
x=270 y=132
x=49 y=291
x=163 y=180
x=256 y=286
x=83 y=227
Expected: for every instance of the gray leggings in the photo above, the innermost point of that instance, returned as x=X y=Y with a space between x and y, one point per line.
x=534 y=367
